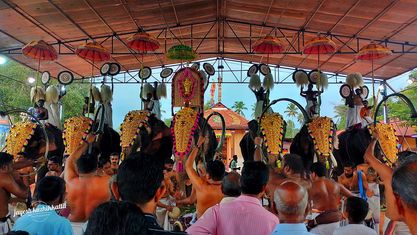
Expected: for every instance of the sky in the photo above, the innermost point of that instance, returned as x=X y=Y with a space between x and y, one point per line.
x=126 y=96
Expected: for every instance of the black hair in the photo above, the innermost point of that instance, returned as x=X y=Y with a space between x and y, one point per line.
x=294 y=162
x=19 y=232
x=102 y=161
x=114 y=217
x=357 y=209
x=318 y=168
x=50 y=188
x=349 y=164
x=5 y=159
x=234 y=157
x=139 y=177
x=231 y=185
x=406 y=156
x=87 y=163
x=403 y=183
x=115 y=154
x=254 y=177
x=215 y=169
x=169 y=161
x=56 y=159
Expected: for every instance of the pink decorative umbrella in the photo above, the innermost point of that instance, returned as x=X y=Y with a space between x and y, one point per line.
x=319 y=45
x=268 y=45
x=143 y=42
x=93 y=52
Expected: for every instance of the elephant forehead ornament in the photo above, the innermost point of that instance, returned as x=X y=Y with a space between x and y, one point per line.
x=272 y=126
x=76 y=130
x=188 y=88
x=185 y=123
x=321 y=130
x=387 y=140
x=130 y=127
x=19 y=136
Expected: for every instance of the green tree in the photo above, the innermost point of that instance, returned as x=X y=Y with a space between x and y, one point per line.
x=73 y=101
x=253 y=108
x=291 y=131
x=341 y=112
x=238 y=107
x=291 y=110
x=398 y=109
x=300 y=118
x=207 y=105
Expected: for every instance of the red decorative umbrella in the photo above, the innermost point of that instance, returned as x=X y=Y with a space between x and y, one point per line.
x=372 y=52
x=143 y=42
x=40 y=50
x=93 y=51
x=268 y=45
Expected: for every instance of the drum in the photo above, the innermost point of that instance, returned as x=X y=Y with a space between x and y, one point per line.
x=182 y=223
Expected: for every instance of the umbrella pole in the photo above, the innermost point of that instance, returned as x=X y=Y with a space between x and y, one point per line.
x=91 y=89
x=373 y=86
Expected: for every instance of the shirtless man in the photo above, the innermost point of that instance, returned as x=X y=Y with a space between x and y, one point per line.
x=85 y=189
x=114 y=160
x=10 y=183
x=208 y=188
x=325 y=195
x=349 y=179
x=54 y=167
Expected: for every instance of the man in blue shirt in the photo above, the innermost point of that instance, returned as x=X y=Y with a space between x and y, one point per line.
x=43 y=219
x=291 y=202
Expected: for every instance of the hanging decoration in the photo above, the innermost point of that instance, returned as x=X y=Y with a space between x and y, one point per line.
x=182 y=53
x=212 y=93
x=387 y=140
x=185 y=123
x=143 y=42
x=93 y=52
x=40 y=50
x=219 y=89
x=75 y=132
x=187 y=88
x=19 y=135
x=321 y=130
x=272 y=127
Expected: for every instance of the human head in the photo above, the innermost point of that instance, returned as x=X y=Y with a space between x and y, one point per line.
x=215 y=170
x=231 y=185
x=114 y=217
x=255 y=176
x=139 y=180
x=51 y=190
x=356 y=210
x=291 y=202
x=87 y=163
x=168 y=165
x=105 y=165
x=293 y=164
x=54 y=164
x=114 y=158
x=348 y=169
x=6 y=162
x=318 y=169
x=234 y=157
x=405 y=189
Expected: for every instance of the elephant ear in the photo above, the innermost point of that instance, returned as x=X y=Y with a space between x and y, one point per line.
x=106 y=94
x=52 y=94
x=37 y=93
x=96 y=94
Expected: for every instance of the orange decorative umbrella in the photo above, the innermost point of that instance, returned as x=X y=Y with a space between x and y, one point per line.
x=143 y=42
x=372 y=52
x=93 y=51
x=319 y=45
x=268 y=45
x=40 y=50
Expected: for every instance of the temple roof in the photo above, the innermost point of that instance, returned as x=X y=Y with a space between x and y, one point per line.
x=233 y=120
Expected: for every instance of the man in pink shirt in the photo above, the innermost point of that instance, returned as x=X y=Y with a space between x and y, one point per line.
x=245 y=214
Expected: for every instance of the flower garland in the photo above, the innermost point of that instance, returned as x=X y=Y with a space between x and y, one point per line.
x=75 y=132
x=130 y=127
x=184 y=125
x=272 y=128
x=321 y=130
x=187 y=77
x=387 y=140
x=19 y=136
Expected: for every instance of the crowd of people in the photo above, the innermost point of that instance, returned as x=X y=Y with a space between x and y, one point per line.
x=88 y=194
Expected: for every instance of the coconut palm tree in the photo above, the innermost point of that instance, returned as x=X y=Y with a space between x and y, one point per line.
x=341 y=112
x=300 y=118
x=238 y=107
x=291 y=110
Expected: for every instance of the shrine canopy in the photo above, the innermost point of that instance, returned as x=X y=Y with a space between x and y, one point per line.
x=213 y=29
x=233 y=120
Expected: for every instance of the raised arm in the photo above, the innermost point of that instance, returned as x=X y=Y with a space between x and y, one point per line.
x=189 y=200
x=385 y=173
x=191 y=172
x=70 y=171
